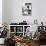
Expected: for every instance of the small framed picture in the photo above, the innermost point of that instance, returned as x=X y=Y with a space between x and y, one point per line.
x=27 y=9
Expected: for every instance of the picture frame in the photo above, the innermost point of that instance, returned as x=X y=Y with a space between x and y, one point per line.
x=27 y=9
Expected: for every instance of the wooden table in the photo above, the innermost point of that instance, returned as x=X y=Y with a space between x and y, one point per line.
x=23 y=42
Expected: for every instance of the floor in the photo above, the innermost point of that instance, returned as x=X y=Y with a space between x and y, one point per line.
x=1 y=45
x=33 y=45
x=36 y=44
x=42 y=45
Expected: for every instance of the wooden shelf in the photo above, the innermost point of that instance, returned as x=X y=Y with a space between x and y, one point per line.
x=19 y=29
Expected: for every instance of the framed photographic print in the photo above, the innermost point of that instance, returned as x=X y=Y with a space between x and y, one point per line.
x=27 y=9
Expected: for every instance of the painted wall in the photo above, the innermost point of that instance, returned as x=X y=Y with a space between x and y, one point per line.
x=16 y=11
x=13 y=11
x=0 y=13
x=4 y=11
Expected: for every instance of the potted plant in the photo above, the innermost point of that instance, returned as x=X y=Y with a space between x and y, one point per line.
x=3 y=34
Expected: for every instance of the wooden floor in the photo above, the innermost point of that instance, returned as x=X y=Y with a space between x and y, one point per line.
x=32 y=45
x=1 y=45
x=42 y=45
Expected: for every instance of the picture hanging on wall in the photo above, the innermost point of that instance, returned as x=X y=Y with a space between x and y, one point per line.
x=27 y=9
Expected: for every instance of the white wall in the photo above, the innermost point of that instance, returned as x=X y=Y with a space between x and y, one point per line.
x=39 y=10
x=13 y=11
x=4 y=11
x=16 y=11
x=0 y=13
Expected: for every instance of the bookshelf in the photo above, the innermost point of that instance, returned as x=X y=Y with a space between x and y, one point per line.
x=18 y=29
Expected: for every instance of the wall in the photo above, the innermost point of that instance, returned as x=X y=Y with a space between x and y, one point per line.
x=0 y=13
x=13 y=11
x=39 y=10
x=16 y=11
x=4 y=11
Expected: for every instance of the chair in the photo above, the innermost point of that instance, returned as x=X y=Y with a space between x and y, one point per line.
x=9 y=42
x=42 y=37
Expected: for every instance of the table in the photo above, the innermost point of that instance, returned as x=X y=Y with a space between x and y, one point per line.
x=26 y=42
x=23 y=42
